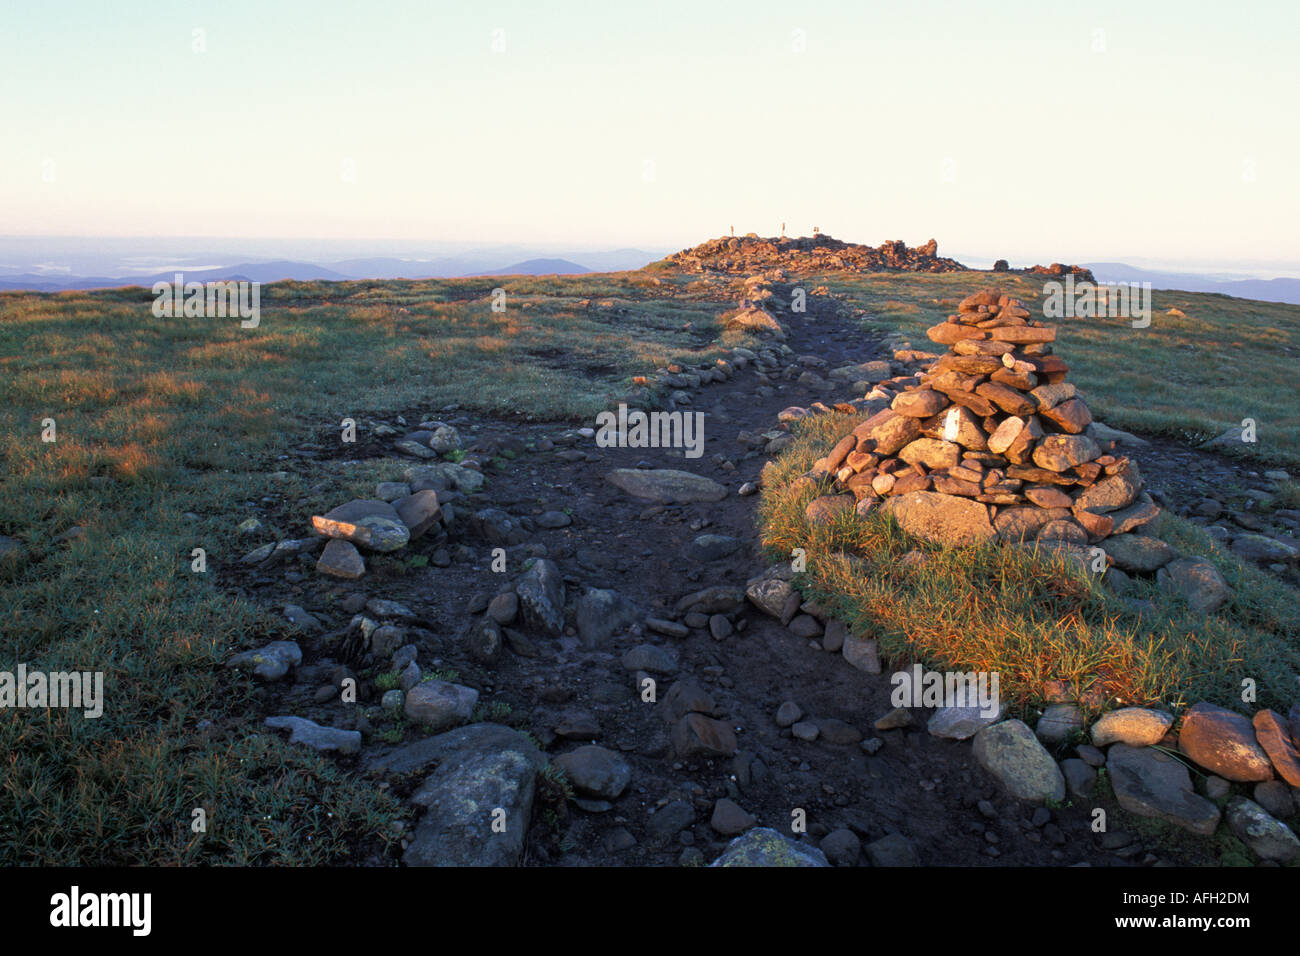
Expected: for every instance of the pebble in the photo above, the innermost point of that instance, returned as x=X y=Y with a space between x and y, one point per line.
x=788 y=714
x=897 y=718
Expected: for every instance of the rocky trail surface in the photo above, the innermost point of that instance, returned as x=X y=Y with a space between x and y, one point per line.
x=755 y=723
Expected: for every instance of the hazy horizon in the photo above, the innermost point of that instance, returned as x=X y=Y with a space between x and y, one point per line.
x=1025 y=133
x=23 y=254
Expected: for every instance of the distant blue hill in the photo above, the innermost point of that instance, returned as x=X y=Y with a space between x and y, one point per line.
x=249 y=271
x=475 y=263
x=536 y=267
x=1264 y=290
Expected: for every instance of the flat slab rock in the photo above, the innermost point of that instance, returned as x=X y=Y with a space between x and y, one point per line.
x=370 y=523
x=1276 y=737
x=313 y=735
x=1150 y=783
x=666 y=485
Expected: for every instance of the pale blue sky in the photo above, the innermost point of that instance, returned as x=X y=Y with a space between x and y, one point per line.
x=995 y=127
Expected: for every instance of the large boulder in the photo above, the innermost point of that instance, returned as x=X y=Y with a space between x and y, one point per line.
x=945 y=519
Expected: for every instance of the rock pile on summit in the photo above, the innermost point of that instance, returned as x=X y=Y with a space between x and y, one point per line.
x=994 y=444
x=820 y=253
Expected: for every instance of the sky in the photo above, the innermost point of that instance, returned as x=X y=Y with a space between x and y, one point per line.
x=1161 y=130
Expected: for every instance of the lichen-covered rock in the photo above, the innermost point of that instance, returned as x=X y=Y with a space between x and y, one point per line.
x=763 y=846
x=1268 y=838
x=1012 y=754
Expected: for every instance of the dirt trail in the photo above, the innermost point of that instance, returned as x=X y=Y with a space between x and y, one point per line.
x=927 y=789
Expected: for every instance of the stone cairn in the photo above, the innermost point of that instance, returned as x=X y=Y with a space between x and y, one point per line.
x=992 y=444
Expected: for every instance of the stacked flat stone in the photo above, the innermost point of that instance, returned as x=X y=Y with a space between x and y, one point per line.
x=993 y=443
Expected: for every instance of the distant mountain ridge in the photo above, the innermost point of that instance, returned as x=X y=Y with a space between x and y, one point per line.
x=377 y=267
x=480 y=262
x=1285 y=290
x=536 y=267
